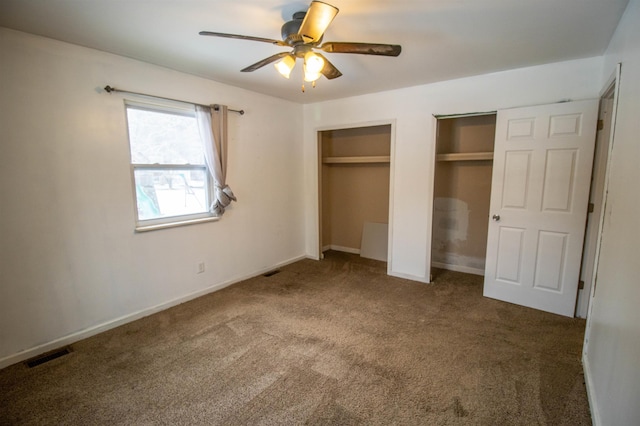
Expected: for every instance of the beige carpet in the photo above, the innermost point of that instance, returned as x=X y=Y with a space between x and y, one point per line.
x=330 y=342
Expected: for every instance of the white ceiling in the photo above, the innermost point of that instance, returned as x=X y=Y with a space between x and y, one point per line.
x=441 y=39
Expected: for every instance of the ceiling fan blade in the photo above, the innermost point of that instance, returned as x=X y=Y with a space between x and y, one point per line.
x=361 y=48
x=243 y=37
x=265 y=61
x=329 y=70
x=316 y=21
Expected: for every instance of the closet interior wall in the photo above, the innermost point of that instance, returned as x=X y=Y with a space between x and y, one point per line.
x=354 y=184
x=462 y=192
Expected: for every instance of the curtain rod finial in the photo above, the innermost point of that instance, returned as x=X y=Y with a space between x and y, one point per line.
x=216 y=107
x=108 y=89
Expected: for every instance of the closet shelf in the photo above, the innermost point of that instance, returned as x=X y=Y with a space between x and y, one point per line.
x=465 y=156
x=359 y=159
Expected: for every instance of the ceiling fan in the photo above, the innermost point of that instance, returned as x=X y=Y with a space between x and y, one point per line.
x=304 y=34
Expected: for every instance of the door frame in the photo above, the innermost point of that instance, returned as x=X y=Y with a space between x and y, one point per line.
x=595 y=219
x=611 y=88
x=392 y=149
x=436 y=119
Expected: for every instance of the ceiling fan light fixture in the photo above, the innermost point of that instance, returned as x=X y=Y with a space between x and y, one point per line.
x=313 y=65
x=311 y=77
x=285 y=65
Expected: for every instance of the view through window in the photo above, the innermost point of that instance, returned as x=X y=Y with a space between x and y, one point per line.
x=167 y=160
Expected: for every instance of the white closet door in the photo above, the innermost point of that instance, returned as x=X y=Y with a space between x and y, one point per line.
x=539 y=195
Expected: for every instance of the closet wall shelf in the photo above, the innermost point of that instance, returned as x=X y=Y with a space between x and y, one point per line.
x=359 y=159
x=465 y=156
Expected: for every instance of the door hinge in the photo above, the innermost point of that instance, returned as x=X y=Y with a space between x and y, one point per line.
x=591 y=208
x=600 y=124
x=581 y=285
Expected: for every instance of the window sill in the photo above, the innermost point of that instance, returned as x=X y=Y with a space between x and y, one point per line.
x=146 y=228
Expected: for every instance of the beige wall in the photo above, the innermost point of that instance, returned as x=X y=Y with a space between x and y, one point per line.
x=462 y=191
x=354 y=193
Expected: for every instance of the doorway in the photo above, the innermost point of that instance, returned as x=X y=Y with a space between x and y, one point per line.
x=354 y=190
x=462 y=191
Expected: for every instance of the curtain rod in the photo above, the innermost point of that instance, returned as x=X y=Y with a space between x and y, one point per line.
x=110 y=89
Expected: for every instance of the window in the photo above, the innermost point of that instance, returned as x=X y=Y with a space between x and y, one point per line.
x=172 y=184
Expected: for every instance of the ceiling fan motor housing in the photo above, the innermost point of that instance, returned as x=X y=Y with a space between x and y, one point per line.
x=290 y=29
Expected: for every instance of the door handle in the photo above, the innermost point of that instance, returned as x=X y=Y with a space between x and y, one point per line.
x=496 y=217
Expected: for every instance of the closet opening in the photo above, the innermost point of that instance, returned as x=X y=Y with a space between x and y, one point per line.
x=462 y=192
x=354 y=190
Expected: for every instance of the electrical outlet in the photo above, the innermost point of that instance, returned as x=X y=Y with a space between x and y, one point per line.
x=200 y=267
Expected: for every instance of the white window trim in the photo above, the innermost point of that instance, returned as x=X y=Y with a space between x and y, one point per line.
x=146 y=228
x=166 y=221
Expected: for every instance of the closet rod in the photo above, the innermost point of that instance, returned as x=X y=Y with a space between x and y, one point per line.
x=110 y=89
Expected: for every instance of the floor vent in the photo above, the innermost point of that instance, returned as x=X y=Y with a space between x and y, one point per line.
x=271 y=273
x=49 y=356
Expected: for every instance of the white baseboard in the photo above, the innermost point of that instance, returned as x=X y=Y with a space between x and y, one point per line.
x=408 y=277
x=341 y=248
x=92 y=331
x=458 y=268
x=591 y=394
